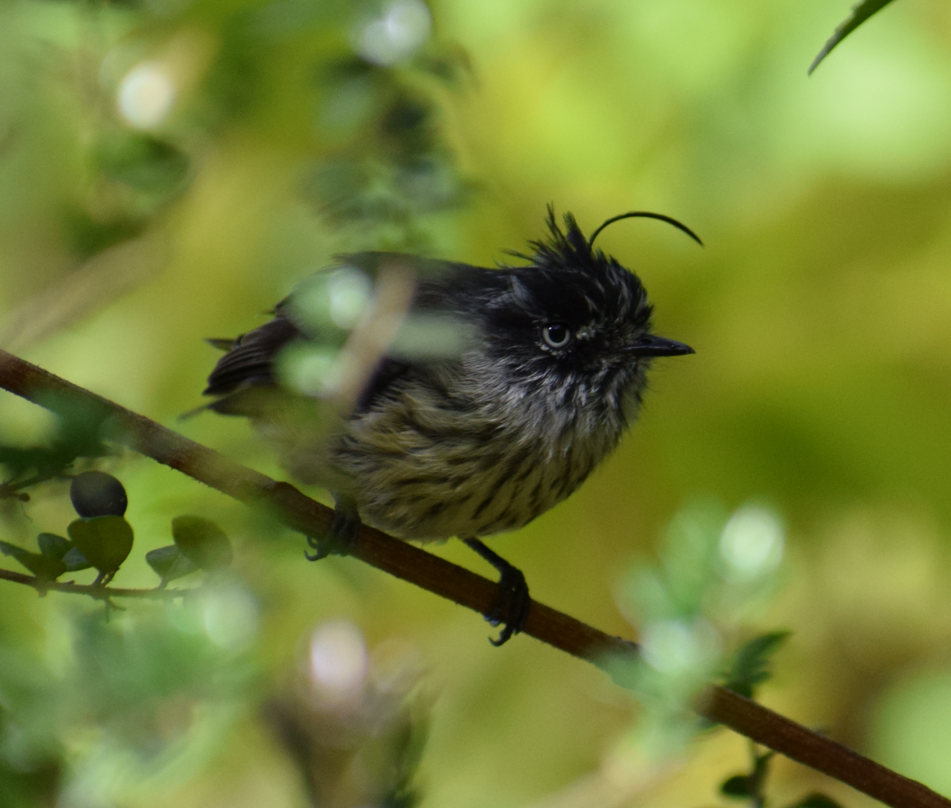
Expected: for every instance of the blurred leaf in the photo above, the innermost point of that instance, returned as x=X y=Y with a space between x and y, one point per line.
x=738 y=787
x=40 y=565
x=169 y=563
x=403 y=167
x=860 y=13
x=32 y=749
x=749 y=786
x=144 y=162
x=90 y=234
x=202 y=542
x=750 y=665
x=53 y=546
x=12 y=550
x=450 y=63
x=817 y=801
x=688 y=579
x=408 y=745
x=147 y=677
x=75 y=560
x=105 y=540
x=18 y=460
x=79 y=433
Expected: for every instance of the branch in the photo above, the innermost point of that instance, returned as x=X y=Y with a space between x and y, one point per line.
x=97 y=591
x=459 y=585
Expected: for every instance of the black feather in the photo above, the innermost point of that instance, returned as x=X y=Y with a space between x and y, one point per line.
x=250 y=359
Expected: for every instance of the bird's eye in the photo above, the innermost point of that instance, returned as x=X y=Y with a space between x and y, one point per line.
x=556 y=335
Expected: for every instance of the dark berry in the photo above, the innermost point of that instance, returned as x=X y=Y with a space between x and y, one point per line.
x=95 y=493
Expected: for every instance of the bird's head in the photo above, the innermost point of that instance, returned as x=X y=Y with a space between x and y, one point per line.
x=574 y=323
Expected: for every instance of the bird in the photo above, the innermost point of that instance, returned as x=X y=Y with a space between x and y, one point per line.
x=523 y=379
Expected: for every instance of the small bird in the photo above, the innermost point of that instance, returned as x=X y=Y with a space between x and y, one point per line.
x=525 y=379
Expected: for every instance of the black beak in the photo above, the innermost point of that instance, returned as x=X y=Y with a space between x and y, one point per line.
x=649 y=345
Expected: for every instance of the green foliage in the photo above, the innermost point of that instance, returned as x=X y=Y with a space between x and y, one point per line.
x=57 y=555
x=169 y=563
x=738 y=786
x=752 y=786
x=153 y=168
x=202 y=542
x=860 y=13
x=82 y=432
x=60 y=549
x=713 y=566
x=42 y=566
x=750 y=664
x=155 y=685
x=105 y=541
x=31 y=760
x=749 y=786
x=199 y=545
x=819 y=314
x=53 y=546
x=75 y=560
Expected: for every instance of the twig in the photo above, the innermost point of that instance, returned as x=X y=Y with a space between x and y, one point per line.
x=97 y=591
x=11 y=488
x=461 y=586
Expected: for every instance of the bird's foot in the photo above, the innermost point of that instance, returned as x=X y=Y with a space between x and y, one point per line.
x=512 y=602
x=341 y=538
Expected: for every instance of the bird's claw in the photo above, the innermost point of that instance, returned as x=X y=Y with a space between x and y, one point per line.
x=512 y=601
x=341 y=538
x=511 y=605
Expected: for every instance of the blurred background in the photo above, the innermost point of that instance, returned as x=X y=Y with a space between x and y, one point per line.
x=169 y=169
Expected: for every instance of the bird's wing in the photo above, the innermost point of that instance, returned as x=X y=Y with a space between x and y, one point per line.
x=248 y=363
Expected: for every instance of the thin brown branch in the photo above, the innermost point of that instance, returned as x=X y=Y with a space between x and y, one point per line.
x=461 y=586
x=43 y=585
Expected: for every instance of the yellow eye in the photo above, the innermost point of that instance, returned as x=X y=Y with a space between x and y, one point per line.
x=556 y=335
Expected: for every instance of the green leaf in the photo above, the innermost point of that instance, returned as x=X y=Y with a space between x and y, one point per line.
x=75 y=560
x=738 y=787
x=40 y=565
x=817 y=801
x=143 y=162
x=750 y=665
x=169 y=563
x=202 y=542
x=105 y=540
x=12 y=550
x=860 y=13
x=43 y=566
x=53 y=546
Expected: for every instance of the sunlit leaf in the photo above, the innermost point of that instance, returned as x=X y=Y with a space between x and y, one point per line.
x=105 y=540
x=860 y=13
